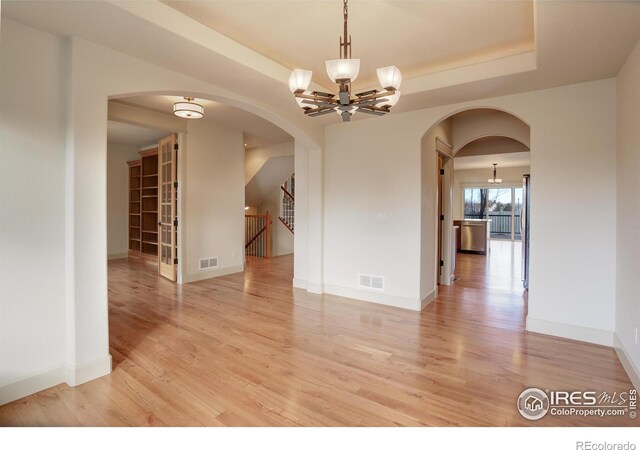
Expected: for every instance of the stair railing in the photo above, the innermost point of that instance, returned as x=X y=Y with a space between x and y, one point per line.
x=257 y=235
x=287 y=215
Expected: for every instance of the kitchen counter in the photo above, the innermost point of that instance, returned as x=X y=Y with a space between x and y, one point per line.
x=474 y=235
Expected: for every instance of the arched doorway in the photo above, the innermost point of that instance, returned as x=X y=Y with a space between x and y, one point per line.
x=466 y=143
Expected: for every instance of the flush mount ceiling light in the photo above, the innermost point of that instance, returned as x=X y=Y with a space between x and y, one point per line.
x=188 y=109
x=495 y=180
x=344 y=71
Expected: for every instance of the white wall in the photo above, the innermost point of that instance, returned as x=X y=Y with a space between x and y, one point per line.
x=214 y=199
x=32 y=206
x=118 y=198
x=511 y=177
x=282 y=239
x=255 y=158
x=374 y=166
x=628 y=216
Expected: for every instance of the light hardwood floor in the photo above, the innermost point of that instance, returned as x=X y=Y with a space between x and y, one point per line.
x=247 y=349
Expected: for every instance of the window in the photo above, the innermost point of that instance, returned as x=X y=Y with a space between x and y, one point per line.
x=501 y=205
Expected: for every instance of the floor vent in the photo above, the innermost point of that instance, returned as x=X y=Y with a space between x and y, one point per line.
x=208 y=263
x=371 y=282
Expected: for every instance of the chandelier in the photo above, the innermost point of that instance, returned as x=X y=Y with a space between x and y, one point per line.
x=495 y=180
x=343 y=72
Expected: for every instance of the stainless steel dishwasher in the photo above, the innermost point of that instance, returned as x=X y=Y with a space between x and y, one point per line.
x=473 y=236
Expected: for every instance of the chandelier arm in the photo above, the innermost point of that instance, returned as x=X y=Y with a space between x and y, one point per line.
x=368 y=102
x=318 y=103
x=318 y=112
x=375 y=94
x=317 y=96
x=372 y=111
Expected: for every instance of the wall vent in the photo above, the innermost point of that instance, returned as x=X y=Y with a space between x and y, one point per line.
x=370 y=282
x=208 y=263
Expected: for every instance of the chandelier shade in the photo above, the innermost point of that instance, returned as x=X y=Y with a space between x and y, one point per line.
x=343 y=69
x=390 y=77
x=301 y=101
x=299 y=80
x=343 y=72
x=188 y=109
x=390 y=101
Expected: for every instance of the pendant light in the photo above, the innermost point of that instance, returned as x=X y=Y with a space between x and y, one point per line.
x=343 y=72
x=495 y=180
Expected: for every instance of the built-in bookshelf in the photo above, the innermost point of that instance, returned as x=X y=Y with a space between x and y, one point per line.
x=143 y=205
x=135 y=204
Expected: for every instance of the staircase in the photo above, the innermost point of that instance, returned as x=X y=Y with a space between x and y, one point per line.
x=287 y=215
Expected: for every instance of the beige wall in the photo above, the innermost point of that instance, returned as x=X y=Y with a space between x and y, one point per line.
x=428 y=188
x=628 y=214
x=32 y=206
x=213 y=199
x=118 y=198
x=511 y=177
x=373 y=166
x=470 y=125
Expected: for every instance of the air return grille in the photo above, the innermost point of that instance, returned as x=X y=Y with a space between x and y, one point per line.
x=370 y=282
x=208 y=263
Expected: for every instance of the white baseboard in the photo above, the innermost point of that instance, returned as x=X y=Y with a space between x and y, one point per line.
x=300 y=284
x=212 y=273
x=627 y=362
x=374 y=297
x=82 y=373
x=576 y=332
x=30 y=385
x=429 y=298
x=117 y=256
x=315 y=288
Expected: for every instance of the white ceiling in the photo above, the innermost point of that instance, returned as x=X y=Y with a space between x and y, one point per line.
x=575 y=41
x=124 y=133
x=257 y=131
x=417 y=37
x=519 y=159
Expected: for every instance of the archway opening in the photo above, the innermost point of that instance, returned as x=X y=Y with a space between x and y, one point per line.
x=474 y=226
x=221 y=173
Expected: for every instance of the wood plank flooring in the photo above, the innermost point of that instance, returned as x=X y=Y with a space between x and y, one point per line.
x=248 y=349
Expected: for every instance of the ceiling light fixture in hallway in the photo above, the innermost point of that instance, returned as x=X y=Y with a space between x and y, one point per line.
x=188 y=109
